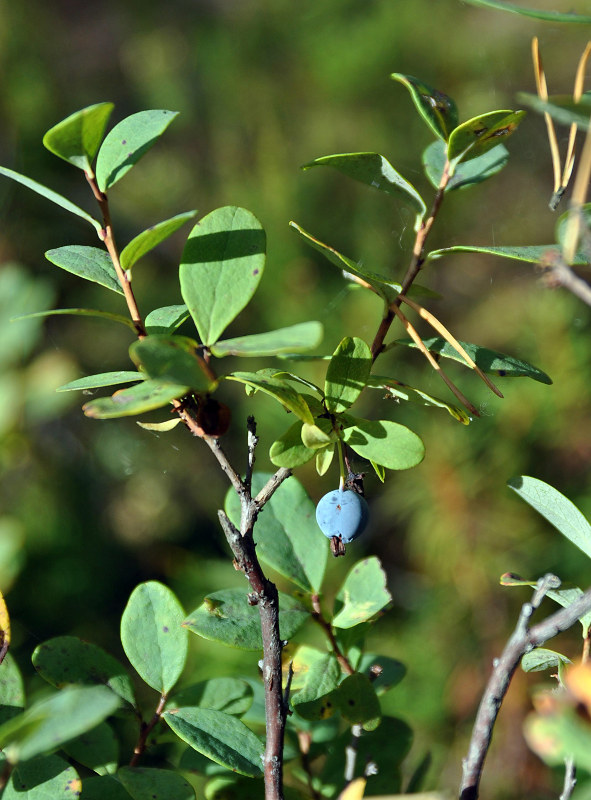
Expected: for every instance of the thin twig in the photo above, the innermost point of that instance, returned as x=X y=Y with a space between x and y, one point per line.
x=522 y=640
x=351 y=753
x=570 y=779
x=327 y=628
x=146 y=729
x=253 y=440
x=556 y=273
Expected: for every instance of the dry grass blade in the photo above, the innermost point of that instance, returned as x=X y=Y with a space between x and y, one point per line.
x=441 y=329
x=577 y=94
x=542 y=88
x=575 y=223
x=421 y=346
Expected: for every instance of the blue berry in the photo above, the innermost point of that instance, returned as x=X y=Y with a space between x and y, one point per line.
x=342 y=513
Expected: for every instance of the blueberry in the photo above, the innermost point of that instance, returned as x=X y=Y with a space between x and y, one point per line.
x=342 y=513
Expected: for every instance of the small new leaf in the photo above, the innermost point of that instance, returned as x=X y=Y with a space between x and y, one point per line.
x=76 y=139
x=347 y=374
x=480 y=134
x=437 y=109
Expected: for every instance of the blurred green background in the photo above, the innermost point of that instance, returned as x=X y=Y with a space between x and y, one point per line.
x=90 y=508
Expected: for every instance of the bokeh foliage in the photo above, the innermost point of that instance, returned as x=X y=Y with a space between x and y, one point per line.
x=89 y=509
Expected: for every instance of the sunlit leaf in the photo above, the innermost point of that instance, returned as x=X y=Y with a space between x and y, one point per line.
x=437 y=109
x=482 y=133
x=86 y=262
x=221 y=267
x=401 y=391
x=467 y=173
x=294 y=339
x=78 y=312
x=230 y=695
x=219 y=736
x=541 y=659
x=43 y=778
x=153 y=635
x=532 y=254
x=390 y=444
x=347 y=374
x=289 y=451
x=49 y=194
x=488 y=360
x=138 y=399
x=374 y=170
x=227 y=617
x=77 y=138
x=172 y=359
x=150 y=238
x=102 y=379
x=166 y=319
x=277 y=389
x=324 y=458
x=127 y=142
x=363 y=594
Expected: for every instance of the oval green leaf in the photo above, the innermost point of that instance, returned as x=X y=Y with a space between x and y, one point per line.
x=363 y=594
x=392 y=671
x=79 y=312
x=347 y=374
x=147 y=783
x=77 y=138
x=47 y=724
x=226 y=617
x=532 y=254
x=166 y=319
x=221 y=737
x=12 y=690
x=230 y=695
x=153 y=635
x=97 y=749
x=294 y=339
x=44 y=778
x=127 y=142
x=488 y=360
x=145 y=396
x=49 y=194
x=316 y=675
x=86 y=262
x=376 y=171
x=286 y=534
x=104 y=788
x=279 y=390
x=173 y=359
x=482 y=133
x=151 y=237
x=437 y=109
x=541 y=659
x=221 y=267
x=65 y=660
x=102 y=379
x=386 y=443
x=467 y=173
x=289 y=451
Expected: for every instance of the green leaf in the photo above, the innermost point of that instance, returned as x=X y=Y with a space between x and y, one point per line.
x=392 y=671
x=363 y=594
x=563 y=108
x=166 y=319
x=230 y=695
x=541 y=659
x=532 y=254
x=401 y=391
x=374 y=170
x=324 y=459
x=79 y=312
x=145 y=396
x=102 y=379
x=161 y=427
x=286 y=533
x=86 y=262
x=221 y=737
x=47 y=724
x=289 y=451
x=562 y=223
x=127 y=142
x=357 y=701
x=383 y=287
x=97 y=749
x=147 y=783
x=44 y=778
x=387 y=443
x=226 y=617
x=12 y=690
x=482 y=133
x=77 y=138
x=294 y=339
x=49 y=194
x=556 y=508
x=221 y=267
x=277 y=389
x=437 y=109
x=560 y=736
x=103 y=788
x=316 y=675
x=547 y=16
x=233 y=787
x=347 y=374
x=172 y=359
x=318 y=436
x=467 y=173
x=153 y=236
x=153 y=635
x=488 y=360
x=66 y=659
